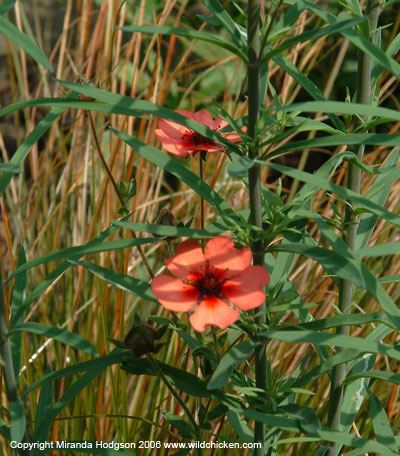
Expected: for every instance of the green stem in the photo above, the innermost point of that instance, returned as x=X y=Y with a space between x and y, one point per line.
x=350 y=233
x=254 y=174
x=201 y=198
x=195 y=426
x=6 y=357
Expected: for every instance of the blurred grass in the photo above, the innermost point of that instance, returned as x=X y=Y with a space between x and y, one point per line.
x=64 y=199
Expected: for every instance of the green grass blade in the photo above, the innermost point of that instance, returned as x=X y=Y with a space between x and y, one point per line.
x=70 y=394
x=24 y=42
x=17 y=300
x=98 y=364
x=6 y=6
x=119 y=280
x=45 y=403
x=61 y=335
x=11 y=168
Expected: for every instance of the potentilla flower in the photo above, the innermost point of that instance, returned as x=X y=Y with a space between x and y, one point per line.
x=180 y=140
x=213 y=285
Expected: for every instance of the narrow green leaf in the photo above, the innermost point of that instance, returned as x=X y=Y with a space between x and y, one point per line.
x=333 y=262
x=183 y=380
x=307 y=85
x=355 y=392
x=241 y=427
x=70 y=394
x=18 y=423
x=234 y=356
x=319 y=182
x=74 y=253
x=380 y=422
x=23 y=41
x=342 y=108
x=374 y=139
x=6 y=6
x=62 y=335
x=165 y=230
x=73 y=103
x=191 y=34
x=346 y=320
x=10 y=168
x=349 y=356
x=119 y=280
x=334 y=340
x=307 y=417
x=364 y=44
x=378 y=194
x=240 y=166
x=381 y=375
x=184 y=428
x=229 y=24
x=340 y=25
x=148 y=107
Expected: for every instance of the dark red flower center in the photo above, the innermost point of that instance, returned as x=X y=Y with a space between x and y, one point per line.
x=209 y=281
x=196 y=138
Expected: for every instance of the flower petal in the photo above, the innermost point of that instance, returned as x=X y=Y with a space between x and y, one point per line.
x=171 y=145
x=205 y=118
x=188 y=263
x=221 y=254
x=172 y=129
x=245 y=289
x=213 y=311
x=174 y=294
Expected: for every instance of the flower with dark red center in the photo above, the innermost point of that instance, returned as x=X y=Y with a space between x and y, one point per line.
x=212 y=285
x=180 y=140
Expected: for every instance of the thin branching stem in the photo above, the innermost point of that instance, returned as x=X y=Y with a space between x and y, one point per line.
x=350 y=231
x=115 y=186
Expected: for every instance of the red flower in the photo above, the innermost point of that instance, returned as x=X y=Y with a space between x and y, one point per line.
x=213 y=284
x=180 y=140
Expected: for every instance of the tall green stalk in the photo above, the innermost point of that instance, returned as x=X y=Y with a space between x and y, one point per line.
x=351 y=221
x=253 y=73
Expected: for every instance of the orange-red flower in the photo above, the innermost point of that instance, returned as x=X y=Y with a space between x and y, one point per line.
x=213 y=285
x=180 y=140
